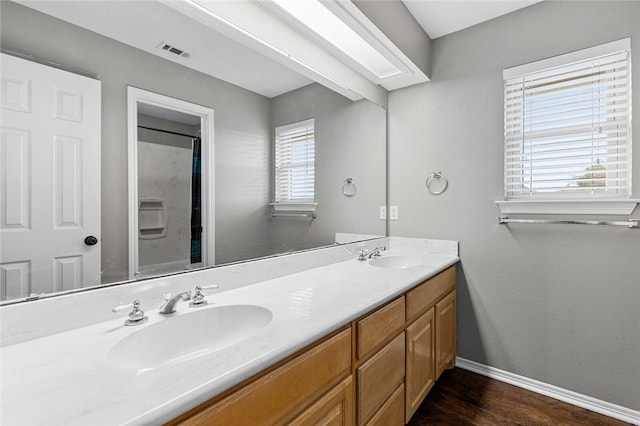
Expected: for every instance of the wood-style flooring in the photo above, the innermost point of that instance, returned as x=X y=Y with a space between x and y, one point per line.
x=463 y=398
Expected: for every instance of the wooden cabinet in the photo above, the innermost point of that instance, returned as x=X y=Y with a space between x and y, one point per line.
x=375 y=372
x=376 y=328
x=420 y=360
x=378 y=377
x=333 y=409
x=392 y=411
x=275 y=398
x=445 y=333
x=425 y=295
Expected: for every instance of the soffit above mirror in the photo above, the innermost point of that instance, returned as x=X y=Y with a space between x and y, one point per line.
x=219 y=38
x=143 y=24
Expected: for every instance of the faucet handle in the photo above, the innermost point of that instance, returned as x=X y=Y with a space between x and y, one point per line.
x=197 y=300
x=136 y=316
x=362 y=254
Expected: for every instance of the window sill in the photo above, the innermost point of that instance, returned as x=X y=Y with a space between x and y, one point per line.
x=586 y=207
x=293 y=209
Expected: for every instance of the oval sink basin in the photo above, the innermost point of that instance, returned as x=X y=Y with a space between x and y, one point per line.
x=187 y=336
x=397 y=262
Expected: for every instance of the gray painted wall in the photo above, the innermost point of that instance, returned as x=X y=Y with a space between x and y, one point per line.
x=350 y=142
x=555 y=303
x=242 y=129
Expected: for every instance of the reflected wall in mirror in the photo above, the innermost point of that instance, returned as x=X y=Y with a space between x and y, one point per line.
x=349 y=136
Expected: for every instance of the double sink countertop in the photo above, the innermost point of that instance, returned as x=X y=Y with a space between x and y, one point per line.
x=69 y=378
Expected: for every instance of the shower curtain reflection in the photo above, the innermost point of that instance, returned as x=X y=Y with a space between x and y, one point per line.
x=196 y=220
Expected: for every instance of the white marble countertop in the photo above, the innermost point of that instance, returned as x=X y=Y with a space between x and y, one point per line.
x=66 y=379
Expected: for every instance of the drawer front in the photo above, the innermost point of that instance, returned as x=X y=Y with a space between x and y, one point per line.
x=333 y=409
x=392 y=412
x=428 y=293
x=275 y=397
x=379 y=326
x=379 y=377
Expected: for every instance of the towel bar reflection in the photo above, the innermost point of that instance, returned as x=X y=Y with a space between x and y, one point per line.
x=302 y=214
x=631 y=223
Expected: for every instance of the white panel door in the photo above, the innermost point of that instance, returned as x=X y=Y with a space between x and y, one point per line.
x=49 y=179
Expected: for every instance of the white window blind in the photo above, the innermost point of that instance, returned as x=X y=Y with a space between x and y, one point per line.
x=568 y=127
x=295 y=163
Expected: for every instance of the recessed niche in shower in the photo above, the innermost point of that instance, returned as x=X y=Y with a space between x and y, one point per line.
x=152 y=219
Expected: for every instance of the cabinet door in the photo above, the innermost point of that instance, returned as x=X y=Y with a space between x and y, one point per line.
x=420 y=361
x=445 y=333
x=379 y=377
x=333 y=409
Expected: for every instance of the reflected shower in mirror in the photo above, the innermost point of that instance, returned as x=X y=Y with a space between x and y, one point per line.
x=250 y=97
x=169 y=220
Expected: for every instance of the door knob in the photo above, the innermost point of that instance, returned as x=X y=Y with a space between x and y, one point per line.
x=91 y=240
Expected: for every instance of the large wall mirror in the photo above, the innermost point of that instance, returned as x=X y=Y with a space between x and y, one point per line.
x=250 y=97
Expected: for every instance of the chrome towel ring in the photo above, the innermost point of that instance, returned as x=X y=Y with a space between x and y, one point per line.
x=349 y=188
x=436 y=183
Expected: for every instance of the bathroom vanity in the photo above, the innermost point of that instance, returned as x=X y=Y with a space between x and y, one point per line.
x=391 y=357
x=346 y=342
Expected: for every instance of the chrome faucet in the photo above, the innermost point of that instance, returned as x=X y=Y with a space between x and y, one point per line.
x=197 y=300
x=136 y=316
x=366 y=254
x=170 y=303
x=196 y=297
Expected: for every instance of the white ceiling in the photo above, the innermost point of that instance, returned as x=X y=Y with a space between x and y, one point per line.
x=147 y=24
x=440 y=17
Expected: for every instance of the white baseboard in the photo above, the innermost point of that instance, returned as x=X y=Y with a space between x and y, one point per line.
x=570 y=397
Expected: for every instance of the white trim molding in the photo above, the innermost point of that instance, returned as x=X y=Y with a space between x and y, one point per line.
x=137 y=96
x=565 y=395
x=568 y=58
x=596 y=207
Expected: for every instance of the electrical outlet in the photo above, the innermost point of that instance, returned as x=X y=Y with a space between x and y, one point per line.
x=393 y=212
x=383 y=212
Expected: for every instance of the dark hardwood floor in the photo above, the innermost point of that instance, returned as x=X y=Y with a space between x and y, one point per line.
x=463 y=398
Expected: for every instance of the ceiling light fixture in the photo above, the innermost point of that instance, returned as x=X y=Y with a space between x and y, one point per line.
x=315 y=16
x=337 y=85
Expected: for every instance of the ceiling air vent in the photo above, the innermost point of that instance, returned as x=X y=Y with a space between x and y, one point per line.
x=174 y=50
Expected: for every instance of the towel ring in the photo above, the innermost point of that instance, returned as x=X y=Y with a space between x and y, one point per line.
x=349 y=188
x=436 y=183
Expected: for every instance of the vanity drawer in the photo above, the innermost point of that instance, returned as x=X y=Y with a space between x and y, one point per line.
x=333 y=409
x=392 y=412
x=374 y=329
x=379 y=377
x=277 y=396
x=428 y=293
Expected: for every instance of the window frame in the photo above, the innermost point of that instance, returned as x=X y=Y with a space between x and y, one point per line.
x=306 y=204
x=569 y=203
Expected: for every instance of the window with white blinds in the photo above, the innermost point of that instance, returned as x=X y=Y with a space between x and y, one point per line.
x=567 y=126
x=295 y=163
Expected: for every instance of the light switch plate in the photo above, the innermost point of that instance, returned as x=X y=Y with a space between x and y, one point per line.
x=393 y=212
x=383 y=212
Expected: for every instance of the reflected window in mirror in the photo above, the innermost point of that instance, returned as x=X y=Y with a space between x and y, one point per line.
x=295 y=163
